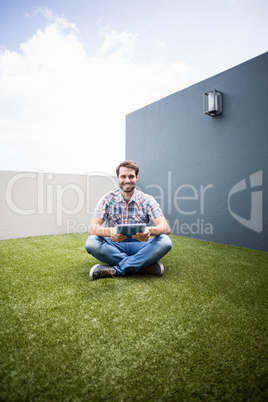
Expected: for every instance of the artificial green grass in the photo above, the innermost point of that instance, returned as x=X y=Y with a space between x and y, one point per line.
x=198 y=333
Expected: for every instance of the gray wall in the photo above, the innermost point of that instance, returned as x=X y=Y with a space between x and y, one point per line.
x=40 y=203
x=209 y=173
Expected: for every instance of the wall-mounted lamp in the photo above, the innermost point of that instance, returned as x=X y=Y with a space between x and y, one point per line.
x=212 y=101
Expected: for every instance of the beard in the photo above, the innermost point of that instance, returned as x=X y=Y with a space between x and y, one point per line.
x=127 y=188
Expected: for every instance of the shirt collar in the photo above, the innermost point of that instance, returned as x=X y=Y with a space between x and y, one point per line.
x=133 y=198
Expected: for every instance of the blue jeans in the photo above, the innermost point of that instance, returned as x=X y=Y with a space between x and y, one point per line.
x=128 y=258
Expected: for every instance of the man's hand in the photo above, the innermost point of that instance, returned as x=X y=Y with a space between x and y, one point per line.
x=144 y=236
x=117 y=237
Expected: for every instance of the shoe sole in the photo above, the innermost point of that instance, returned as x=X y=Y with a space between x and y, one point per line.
x=161 y=267
x=92 y=270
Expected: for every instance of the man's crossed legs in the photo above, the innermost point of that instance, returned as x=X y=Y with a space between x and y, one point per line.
x=127 y=258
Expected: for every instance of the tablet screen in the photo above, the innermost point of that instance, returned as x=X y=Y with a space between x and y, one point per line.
x=129 y=230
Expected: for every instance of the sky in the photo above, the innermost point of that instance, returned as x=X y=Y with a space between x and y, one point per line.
x=70 y=71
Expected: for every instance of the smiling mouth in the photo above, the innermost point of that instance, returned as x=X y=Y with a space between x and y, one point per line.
x=128 y=187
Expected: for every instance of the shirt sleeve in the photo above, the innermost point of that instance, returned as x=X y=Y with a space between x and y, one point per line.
x=153 y=209
x=101 y=209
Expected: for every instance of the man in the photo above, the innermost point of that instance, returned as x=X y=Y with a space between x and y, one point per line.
x=127 y=205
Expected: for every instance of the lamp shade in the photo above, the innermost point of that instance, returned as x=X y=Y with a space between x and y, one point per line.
x=212 y=102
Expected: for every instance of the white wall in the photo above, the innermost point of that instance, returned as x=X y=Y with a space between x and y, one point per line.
x=41 y=203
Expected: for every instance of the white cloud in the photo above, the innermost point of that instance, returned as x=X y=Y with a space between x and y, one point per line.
x=117 y=43
x=59 y=21
x=63 y=111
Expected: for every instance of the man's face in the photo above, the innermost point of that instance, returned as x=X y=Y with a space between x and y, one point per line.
x=127 y=179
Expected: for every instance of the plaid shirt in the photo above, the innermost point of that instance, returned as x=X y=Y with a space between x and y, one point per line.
x=114 y=210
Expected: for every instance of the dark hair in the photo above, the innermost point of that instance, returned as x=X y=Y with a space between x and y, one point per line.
x=128 y=164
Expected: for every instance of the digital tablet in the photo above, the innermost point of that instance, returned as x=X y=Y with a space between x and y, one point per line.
x=131 y=229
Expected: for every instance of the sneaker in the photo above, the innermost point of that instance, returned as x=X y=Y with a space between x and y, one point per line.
x=102 y=271
x=155 y=269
